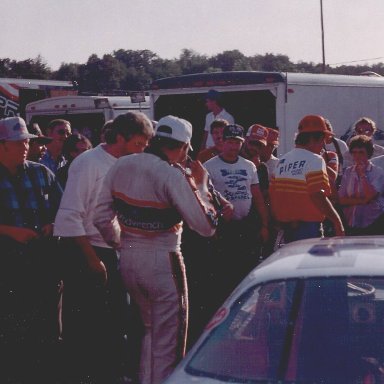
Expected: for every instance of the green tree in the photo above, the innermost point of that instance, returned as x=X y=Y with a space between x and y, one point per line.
x=191 y=62
x=30 y=69
x=68 y=71
x=230 y=61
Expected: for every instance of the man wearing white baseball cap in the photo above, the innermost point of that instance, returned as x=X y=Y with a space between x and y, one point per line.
x=29 y=278
x=151 y=195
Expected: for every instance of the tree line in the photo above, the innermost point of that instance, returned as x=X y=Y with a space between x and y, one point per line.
x=133 y=70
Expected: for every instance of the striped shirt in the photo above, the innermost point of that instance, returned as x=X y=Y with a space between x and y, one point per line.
x=298 y=174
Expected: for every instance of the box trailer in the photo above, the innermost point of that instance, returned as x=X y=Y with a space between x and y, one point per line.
x=87 y=114
x=274 y=99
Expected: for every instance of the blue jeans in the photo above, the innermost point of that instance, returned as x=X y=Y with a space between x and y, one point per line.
x=302 y=230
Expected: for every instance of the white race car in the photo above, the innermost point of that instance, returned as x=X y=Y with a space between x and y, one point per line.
x=313 y=312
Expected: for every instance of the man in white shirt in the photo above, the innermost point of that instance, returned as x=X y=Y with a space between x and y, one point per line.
x=240 y=238
x=92 y=296
x=213 y=104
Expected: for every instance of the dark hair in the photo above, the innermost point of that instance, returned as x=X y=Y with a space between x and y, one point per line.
x=71 y=142
x=127 y=125
x=218 y=123
x=303 y=138
x=54 y=123
x=106 y=128
x=361 y=141
x=165 y=142
x=158 y=143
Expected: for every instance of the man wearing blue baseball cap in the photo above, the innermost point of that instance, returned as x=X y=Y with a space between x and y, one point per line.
x=213 y=102
x=239 y=239
x=29 y=277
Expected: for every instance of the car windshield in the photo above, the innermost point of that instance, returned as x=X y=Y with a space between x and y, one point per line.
x=322 y=330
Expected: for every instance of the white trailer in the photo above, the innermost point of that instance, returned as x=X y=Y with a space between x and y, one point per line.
x=274 y=99
x=87 y=114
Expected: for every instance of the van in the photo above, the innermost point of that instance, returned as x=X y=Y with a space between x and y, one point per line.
x=87 y=114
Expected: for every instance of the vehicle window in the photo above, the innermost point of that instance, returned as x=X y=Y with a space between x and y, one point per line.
x=323 y=330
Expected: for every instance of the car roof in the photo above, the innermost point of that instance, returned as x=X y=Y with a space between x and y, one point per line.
x=336 y=256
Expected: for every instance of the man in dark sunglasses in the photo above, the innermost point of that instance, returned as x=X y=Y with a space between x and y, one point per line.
x=58 y=130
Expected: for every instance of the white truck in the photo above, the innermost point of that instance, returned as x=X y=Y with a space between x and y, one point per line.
x=87 y=114
x=274 y=99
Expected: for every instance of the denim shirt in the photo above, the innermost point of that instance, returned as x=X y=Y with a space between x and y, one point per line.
x=51 y=164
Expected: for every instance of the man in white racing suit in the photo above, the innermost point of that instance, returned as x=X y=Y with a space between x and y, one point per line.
x=151 y=194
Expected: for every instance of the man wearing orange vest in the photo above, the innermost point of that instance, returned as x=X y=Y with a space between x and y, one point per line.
x=300 y=185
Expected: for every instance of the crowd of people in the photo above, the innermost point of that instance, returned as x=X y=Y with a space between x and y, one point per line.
x=100 y=244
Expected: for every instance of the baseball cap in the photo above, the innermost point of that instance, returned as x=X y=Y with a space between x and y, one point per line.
x=41 y=139
x=273 y=136
x=313 y=123
x=233 y=131
x=14 y=129
x=174 y=128
x=212 y=94
x=258 y=133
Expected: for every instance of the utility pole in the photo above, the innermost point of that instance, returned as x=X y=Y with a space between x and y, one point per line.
x=322 y=34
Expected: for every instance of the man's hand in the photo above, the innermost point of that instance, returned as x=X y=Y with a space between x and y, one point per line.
x=47 y=230
x=339 y=229
x=199 y=173
x=97 y=268
x=227 y=210
x=22 y=235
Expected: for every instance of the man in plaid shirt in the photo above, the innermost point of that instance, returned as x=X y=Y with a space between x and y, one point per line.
x=29 y=278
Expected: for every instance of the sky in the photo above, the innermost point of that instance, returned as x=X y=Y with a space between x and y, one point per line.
x=69 y=31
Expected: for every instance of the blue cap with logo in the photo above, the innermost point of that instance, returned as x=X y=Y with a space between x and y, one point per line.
x=233 y=131
x=14 y=129
x=212 y=94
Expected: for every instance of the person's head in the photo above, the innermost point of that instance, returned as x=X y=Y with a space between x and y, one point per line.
x=129 y=133
x=14 y=141
x=75 y=145
x=172 y=139
x=361 y=148
x=331 y=135
x=312 y=133
x=37 y=146
x=105 y=128
x=255 y=139
x=58 y=130
x=217 y=127
x=272 y=144
x=364 y=126
x=213 y=100
x=233 y=136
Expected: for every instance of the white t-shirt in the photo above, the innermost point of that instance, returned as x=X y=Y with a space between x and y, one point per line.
x=85 y=178
x=233 y=181
x=342 y=145
x=223 y=114
x=271 y=165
